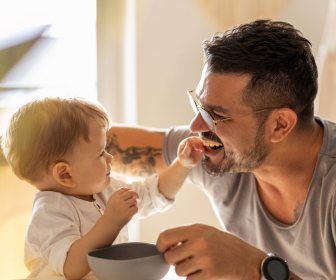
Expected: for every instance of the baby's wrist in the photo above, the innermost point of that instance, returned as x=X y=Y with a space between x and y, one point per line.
x=110 y=222
x=185 y=163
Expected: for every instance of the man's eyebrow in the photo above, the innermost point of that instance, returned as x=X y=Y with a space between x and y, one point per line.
x=212 y=107
x=217 y=108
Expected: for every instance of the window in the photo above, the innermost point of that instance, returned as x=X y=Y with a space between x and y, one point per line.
x=47 y=48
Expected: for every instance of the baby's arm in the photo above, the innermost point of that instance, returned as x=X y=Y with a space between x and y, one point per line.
x=189 y=153
x=120 y=208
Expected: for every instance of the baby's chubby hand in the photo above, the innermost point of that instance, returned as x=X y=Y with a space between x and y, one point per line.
x=121 y=206
x=190 y=151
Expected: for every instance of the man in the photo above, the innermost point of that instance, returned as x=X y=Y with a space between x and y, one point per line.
x=268 y=165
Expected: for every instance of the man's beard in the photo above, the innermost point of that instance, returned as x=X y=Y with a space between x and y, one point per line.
x=248 y=161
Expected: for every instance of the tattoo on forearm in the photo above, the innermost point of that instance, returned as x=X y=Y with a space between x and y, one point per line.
x=140 y=161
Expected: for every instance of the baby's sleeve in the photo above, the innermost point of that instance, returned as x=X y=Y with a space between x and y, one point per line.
x=151 y=201
x=51 y=232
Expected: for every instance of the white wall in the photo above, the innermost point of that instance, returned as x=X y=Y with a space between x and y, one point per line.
x=309 y=17
x=169 y=59
x=169 y=62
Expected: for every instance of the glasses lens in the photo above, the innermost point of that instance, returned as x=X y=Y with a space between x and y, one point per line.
x=198 y=109
x=193 y=104
x=207 y=118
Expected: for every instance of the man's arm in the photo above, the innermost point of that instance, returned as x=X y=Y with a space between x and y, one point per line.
x=137 y=151
x=202 y=252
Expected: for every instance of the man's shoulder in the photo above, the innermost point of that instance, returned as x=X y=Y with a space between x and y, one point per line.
x=178 y=131
x=328 y=148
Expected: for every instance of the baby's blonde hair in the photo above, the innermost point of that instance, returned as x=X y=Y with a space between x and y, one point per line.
x=41 y=132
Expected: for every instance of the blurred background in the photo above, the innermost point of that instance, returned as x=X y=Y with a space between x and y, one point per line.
x=138 y=58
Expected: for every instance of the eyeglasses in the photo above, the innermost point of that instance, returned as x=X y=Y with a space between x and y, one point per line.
x=210 y=118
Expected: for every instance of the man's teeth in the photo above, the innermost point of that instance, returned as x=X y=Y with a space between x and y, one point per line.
x=212 y=144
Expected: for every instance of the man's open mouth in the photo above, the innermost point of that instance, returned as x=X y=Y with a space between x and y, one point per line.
x=212 y=144
x=211 y=141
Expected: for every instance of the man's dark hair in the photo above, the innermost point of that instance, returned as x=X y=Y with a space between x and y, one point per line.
x=278 y=59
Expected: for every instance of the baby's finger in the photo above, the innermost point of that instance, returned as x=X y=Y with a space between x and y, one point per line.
x=122 y=190
x=186 y=151
x=129 y=195
x=198 y=145
x=132 y=210
x=131 y=202
x=194 y=143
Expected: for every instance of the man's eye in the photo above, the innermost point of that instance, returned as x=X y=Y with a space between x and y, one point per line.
x=219 y=117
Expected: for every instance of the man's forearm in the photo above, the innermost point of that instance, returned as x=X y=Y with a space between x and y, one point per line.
x=136 y=151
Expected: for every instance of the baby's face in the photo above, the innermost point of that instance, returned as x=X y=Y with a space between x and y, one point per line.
x=89 y=162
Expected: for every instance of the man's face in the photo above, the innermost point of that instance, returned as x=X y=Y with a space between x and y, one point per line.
x=243 y=147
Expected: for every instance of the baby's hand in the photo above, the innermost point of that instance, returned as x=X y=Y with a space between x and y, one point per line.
x=190 y=151
x=121 y=207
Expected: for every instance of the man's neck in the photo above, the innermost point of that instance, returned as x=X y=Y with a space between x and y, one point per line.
x=283 y=181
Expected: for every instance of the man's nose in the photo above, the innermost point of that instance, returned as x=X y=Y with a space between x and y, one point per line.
x=197 y=124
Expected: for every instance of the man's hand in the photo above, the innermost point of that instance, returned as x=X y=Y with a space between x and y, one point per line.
x=203 y=252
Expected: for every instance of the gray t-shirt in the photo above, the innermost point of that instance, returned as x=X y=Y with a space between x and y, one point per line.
x=309 y=244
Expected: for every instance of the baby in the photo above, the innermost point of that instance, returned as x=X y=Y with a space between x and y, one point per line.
x=58 y=146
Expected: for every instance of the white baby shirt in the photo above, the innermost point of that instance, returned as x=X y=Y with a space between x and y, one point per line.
x=58 y=220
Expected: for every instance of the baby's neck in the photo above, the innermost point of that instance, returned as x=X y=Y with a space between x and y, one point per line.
x=47 y=183
x=85 y=197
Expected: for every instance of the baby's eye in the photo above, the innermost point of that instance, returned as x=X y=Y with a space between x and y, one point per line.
x=102 y=153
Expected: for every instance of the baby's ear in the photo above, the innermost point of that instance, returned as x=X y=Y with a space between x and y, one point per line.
x=61 y=172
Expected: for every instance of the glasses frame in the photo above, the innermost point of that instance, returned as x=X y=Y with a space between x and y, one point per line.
x=208 y=116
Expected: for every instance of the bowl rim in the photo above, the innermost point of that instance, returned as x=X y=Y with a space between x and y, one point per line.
x=123 y=244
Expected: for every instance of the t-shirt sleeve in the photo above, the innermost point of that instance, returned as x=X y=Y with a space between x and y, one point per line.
x=172 y=140
x=51 y=232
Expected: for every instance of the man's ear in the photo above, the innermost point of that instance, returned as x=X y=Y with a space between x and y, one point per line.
x=283 y=121
x=61 y=172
